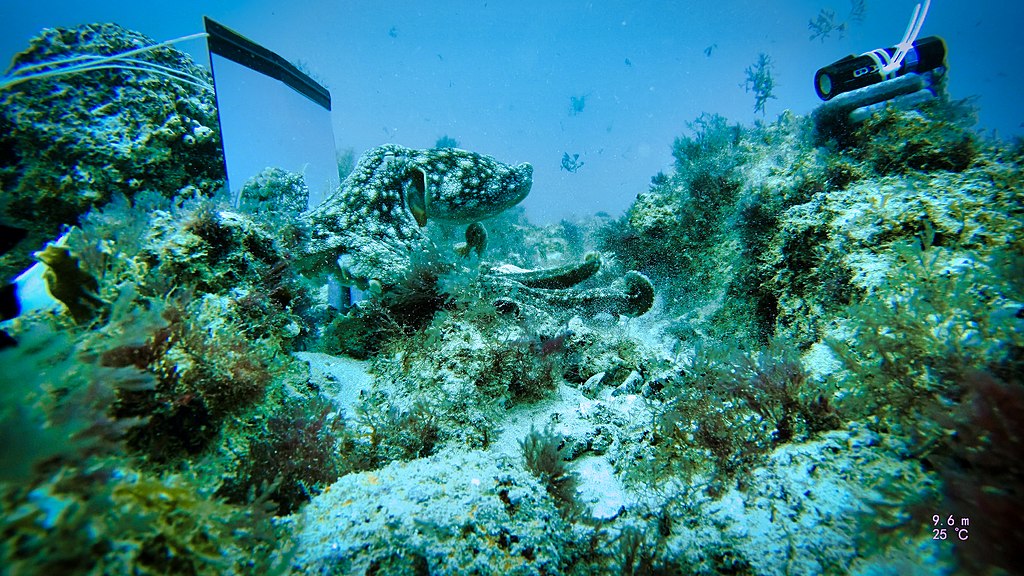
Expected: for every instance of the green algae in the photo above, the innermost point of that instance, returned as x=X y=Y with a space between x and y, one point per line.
x=75 y=142
x=832 y=322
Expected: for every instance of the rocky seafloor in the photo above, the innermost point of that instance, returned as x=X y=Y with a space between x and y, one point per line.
x=827 y=380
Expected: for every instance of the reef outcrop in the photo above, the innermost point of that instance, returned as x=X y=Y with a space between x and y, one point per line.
x=72 y=141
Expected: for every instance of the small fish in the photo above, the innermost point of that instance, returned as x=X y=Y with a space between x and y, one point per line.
x=707 y=51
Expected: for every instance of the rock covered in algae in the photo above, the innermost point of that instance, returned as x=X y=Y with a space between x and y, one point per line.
x=274 y=191
x=764 y=233
x=453 y=513
x=794 y=513
x=893 y=259
x=73 y=141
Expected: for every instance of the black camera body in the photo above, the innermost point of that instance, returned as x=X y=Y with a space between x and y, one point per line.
x=855 y=72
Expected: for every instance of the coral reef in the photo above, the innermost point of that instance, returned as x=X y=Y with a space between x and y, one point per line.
x=73 y=142
x=832 y=361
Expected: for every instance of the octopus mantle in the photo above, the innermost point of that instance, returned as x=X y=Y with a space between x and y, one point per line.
x=368 y=232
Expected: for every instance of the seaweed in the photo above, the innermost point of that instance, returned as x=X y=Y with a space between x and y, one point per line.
x=383 y=433
x=671 y=230
x=635 y=556
x=775 y=386
x=937 y=137
x=413 y=302
x=824 y=24
x=726 y=409
x=204 y=373
x=527 y=368
x=543 y=456
x=116 y=520
x=924 y=328
x=981 y=471
x=760 y=81
x=446 y=141
x=292 y=458
x=73 y=499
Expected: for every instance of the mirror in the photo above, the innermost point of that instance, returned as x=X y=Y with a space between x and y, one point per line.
x=271 y=115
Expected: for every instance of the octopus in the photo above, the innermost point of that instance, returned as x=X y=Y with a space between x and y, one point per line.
x=370 y=232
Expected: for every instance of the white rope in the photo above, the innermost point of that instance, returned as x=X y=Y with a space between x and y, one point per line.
x=87 y=62
x=909 y=37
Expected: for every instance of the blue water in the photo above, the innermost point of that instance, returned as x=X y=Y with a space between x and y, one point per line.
x=501 y=77
x=872 y=284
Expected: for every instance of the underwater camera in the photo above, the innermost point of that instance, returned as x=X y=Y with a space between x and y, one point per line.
x=909 y=56
x=855 y=72
x=905 y=76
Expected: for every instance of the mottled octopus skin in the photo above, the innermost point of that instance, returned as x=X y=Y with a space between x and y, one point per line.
x=373 y=222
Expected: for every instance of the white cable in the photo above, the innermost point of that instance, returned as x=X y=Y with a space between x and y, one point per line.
x=909 y=37
x=84 y=63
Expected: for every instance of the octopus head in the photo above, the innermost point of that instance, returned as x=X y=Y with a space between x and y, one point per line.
x=462 y=187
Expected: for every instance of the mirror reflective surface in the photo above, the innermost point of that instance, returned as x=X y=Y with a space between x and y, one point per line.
x=265 y=122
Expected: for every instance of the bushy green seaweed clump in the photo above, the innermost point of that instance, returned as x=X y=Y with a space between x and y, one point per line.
x=222 y=303
x=937 y=316
x=189 y=345
x=73 y=499
x=940 y=137
x=446 y=141
x=670 y=230
x=384 y=432
x=727 y=408
x=760 y=81
x=542 y=454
